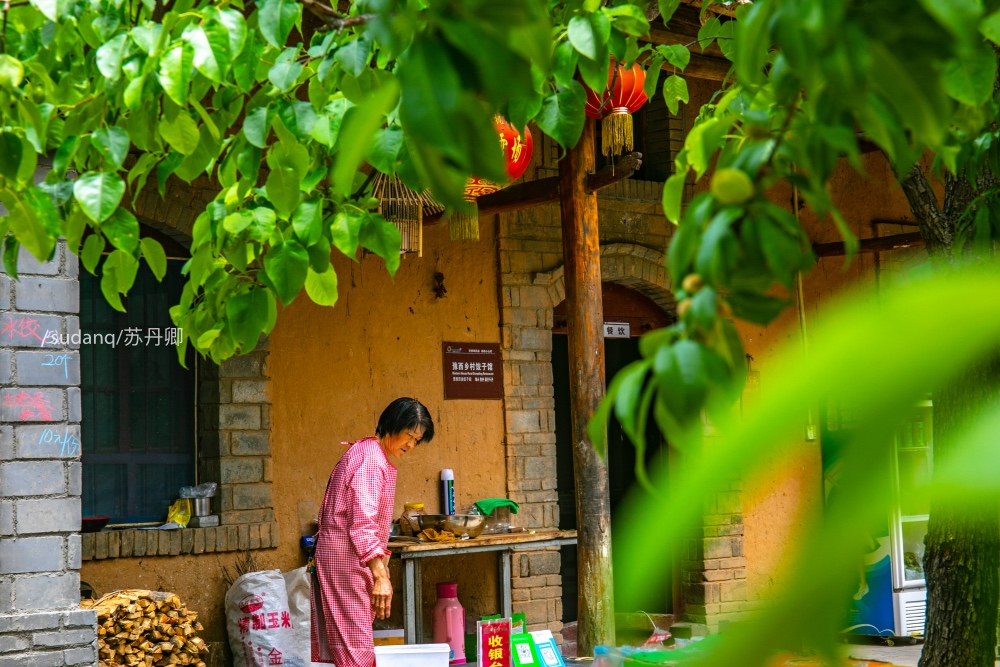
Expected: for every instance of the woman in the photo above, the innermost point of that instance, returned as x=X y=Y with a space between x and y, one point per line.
x=351 y=584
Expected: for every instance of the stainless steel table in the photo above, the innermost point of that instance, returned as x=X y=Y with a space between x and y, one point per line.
x=505 y=545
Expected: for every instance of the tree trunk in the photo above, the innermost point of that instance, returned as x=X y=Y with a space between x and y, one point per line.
x=962 y=554
x=585 y=315
x=962 y=547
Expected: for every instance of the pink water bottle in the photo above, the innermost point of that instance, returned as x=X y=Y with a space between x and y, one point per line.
x=449 y=622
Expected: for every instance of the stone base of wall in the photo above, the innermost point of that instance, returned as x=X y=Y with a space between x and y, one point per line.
x=49 y=639
x=537 y=590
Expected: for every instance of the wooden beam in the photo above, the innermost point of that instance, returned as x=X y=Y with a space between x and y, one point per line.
x=877 y=244
x=585 y=315
x=703 y=67
x=546 y=190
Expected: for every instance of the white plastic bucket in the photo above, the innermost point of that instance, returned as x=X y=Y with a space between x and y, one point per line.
x=413 y=655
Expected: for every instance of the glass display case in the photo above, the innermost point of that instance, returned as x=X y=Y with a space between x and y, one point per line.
x=912 y=469
x=913 y=458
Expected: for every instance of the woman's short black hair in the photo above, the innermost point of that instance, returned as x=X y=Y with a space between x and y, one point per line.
x=404 y=414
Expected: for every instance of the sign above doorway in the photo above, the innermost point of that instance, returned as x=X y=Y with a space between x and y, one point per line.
x=617 y=330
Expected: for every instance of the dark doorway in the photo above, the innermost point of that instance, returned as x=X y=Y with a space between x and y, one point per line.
x=619 y=352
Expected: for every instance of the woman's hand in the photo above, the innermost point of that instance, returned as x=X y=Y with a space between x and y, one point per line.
x=382 y=591
x=382 y=597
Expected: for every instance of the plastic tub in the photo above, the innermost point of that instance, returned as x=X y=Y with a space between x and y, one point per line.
x=413 y=655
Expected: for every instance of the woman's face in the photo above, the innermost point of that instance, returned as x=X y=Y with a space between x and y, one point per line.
x=399 y=444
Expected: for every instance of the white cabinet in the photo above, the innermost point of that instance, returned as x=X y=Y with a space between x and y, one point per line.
x=912 y=465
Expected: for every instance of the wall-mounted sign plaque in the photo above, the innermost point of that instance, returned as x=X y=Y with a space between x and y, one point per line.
x=472 y=370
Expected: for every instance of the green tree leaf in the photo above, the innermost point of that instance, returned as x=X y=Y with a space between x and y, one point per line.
x=12 y=149
x=285 y=71
x=113 y=143
x=155 y=256
x=629 y=19
x=182 y=134
x=247 y=315
x=581 y=35
x=667 y=9
x=382 y=238
x=969 y=79
x=283 y=189
x=277 y=18
x=99 y=194
x=298 y=118
x=122 y=230
x=52 y=9
x=257 y=126
x=11 y=72
x=287 y=264
x=677 y=55
x=93 y=247
x=210 y=46
x=175 y=72
x=322 y=287
x=308 y=221
x=562 y=114
x=384 y=149
x=360 y=123
x=109 y=57
x=675 y=91
x=353 y=56
x=33 y=219
x=673 y=192
x=345 y=228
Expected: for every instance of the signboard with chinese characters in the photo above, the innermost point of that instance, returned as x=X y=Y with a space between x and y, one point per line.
x=493 y=643
x=617 y=330
x=472 y=370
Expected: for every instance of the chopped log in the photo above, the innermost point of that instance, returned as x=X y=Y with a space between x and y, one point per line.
x=877 y=244
x=585 y=314
x=140 y=628
x=546 y=190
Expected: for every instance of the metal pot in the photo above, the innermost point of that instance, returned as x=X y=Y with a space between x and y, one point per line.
x=201 y=506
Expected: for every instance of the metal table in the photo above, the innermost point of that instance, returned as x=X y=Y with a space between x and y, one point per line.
x=412 y=554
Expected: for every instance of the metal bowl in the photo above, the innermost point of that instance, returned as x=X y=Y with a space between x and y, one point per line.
x=433 y=521
x=462 y=525
x=465 y=525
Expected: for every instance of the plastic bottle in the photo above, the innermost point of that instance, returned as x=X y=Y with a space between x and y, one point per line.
x=447 y=491
x=449 y=622
x=607 y=656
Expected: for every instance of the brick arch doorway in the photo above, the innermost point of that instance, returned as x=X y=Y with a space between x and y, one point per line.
x=621 y=304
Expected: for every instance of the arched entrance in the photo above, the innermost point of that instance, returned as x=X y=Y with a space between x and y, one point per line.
x=622 y=304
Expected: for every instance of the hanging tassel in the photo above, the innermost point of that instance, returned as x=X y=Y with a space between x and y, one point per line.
x=616 y=132
x=464 y=225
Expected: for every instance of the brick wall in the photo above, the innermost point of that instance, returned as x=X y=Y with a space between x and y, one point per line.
x=714 y=575
x=41 y=624
x=634 y=236
x=234 y=429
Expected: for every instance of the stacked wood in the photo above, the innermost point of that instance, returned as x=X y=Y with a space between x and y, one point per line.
x=140 y=628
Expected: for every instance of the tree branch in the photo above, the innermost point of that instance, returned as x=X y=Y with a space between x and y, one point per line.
x=332 y=18
x=936 y=228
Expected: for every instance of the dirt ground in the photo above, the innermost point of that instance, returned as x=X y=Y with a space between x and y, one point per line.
x=905 y=656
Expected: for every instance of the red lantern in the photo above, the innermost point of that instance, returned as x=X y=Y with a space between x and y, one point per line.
x=622 y=97
x=516 y=153
x=517 y=156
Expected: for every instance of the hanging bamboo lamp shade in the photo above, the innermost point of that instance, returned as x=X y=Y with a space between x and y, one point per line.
x=464 y=225
x=404 y=208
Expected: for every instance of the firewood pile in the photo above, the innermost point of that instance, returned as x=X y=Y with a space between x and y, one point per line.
x=142 y=628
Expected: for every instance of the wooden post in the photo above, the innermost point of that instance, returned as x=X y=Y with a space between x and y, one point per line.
x=585 y=310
